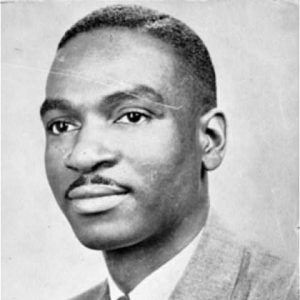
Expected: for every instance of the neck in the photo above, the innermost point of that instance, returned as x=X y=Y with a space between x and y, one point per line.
x=129 y=266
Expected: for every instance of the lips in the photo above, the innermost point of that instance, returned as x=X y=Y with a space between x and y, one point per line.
x=95 y=190
x=96 y=198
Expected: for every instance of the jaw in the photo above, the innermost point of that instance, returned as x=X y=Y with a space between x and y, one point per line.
x=150 y=254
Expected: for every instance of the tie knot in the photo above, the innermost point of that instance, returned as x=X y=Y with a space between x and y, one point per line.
x=125 y=297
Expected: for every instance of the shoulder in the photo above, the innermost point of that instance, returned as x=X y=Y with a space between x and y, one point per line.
x=270 y=273
x=257 y=273
x=98 y=292
x=264 y=274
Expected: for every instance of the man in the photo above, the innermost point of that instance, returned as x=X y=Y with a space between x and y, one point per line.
x=132 y=131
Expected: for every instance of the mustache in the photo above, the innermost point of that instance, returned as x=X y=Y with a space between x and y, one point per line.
x=96 y=179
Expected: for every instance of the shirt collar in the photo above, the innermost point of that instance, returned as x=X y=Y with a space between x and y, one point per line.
x=161 y=283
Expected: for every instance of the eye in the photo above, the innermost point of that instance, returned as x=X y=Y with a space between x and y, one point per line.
x=60 y=127
x=133 y=117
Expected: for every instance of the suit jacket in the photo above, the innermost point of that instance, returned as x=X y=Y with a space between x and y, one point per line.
x=224 y=268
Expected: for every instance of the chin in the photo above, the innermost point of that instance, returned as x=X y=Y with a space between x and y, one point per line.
x=95 y=243
x=106 y=243
x=106 y=239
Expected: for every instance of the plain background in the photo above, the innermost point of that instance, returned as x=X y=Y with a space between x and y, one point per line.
x=254 y=47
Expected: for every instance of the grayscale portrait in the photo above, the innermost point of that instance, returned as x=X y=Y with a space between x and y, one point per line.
x=150 y=150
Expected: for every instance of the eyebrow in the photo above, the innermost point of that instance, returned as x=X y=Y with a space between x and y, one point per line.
x=110 y=100
x=55 y=104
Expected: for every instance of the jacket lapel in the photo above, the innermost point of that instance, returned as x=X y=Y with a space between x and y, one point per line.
x=213 y=269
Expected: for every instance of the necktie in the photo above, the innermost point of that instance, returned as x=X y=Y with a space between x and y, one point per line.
x=125 y=297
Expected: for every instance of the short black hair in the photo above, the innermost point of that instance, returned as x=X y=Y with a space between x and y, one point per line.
x=186 y=43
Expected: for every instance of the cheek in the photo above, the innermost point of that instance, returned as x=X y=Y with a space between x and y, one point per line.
x=54 y=162
x=154 y=144
x=157 y=154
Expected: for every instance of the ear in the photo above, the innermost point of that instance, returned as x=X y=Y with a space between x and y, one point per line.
x=212 y=136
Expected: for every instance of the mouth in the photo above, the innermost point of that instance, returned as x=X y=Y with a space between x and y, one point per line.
x=96 y=198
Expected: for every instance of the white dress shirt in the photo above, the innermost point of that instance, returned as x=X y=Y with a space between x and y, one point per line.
x=160 y=284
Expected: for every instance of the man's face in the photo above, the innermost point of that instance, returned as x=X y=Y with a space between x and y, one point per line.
x=119 y=124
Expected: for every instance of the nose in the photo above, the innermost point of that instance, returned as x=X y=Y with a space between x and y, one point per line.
x=91 y=150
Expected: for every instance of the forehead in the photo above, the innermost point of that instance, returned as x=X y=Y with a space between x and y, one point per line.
x=113 y=42
x=103 y=61
x=102 y=56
